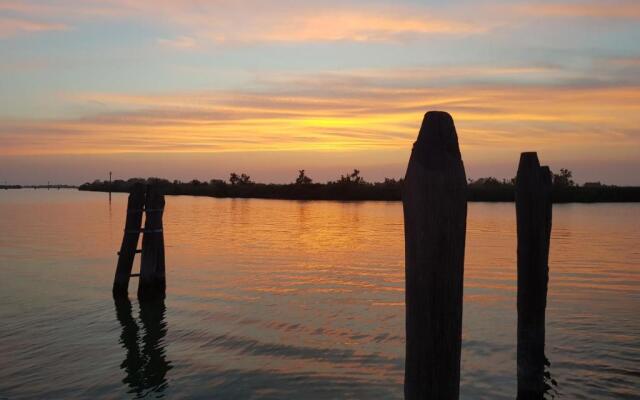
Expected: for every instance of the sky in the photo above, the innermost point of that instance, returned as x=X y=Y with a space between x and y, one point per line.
x=198 y=89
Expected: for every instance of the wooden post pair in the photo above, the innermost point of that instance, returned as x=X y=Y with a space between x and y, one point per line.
x=435 y=212
x=152 y=283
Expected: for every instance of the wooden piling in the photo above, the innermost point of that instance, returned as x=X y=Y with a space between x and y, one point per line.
x=152 y=282
x=435 y=212
x=129 y=240
x=534 y=214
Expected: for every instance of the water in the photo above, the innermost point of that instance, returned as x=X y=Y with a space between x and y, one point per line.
x=296 y=300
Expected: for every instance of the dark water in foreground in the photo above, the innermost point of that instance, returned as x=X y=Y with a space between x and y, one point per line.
x=296 y=300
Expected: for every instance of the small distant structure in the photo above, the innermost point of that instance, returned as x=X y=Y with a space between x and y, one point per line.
x=592 y=184
x=149 y=201
x=109 y=187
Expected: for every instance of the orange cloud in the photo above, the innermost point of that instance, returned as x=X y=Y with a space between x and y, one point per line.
x=344 y=25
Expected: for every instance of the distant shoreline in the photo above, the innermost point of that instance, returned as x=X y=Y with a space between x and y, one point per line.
x=50 y=187
x=390 y=190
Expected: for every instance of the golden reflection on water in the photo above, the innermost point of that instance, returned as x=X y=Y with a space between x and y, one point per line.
x=277 y=298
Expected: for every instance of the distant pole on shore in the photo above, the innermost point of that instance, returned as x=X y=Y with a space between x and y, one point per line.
x=128 y=248
x=534 y=214
x=152 y=283
x=435 y=213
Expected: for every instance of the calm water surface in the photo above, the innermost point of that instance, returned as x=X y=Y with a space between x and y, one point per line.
x=296 y=300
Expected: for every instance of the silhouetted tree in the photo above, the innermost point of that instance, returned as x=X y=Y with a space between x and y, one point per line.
x=245 y=179
x=242 y=179
x=353 y=177
x=391 y=181
x=563 y=179
x=302 y=178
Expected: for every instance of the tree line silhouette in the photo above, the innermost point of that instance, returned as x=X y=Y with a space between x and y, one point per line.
x=352 y=186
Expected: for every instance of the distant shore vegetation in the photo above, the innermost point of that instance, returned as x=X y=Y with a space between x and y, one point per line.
x=352 y=186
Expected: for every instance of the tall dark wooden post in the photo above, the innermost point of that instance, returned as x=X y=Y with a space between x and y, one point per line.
x=533 y=212
x=129 y=240
x=435 y=215
x=152 y=283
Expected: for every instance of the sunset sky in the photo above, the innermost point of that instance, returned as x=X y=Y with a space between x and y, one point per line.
x=197 y=89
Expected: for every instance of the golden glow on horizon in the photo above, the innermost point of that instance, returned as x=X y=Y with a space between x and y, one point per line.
x=592 y=119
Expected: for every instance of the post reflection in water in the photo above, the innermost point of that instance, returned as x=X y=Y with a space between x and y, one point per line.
x=547 y=383
x=145 y=362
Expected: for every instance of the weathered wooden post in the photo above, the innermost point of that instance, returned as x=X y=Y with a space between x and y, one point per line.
x=435 y=214
x=152 y=283
x=533 y=212
x=129 y=240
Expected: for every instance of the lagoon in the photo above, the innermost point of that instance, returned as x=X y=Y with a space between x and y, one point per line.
x=270 y=299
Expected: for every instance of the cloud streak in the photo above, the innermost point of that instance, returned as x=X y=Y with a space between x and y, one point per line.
x=605 y=10
x=343 y=25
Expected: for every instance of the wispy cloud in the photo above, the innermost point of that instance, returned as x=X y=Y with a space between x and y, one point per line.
x=181 y=42
x=625 y=62
x=10 y=27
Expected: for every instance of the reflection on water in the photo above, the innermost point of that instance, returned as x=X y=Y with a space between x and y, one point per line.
x=549 y=384
x=284 y=299
x=145 y=362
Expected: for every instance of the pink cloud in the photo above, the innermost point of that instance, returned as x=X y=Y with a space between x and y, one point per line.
x=593 y=9
x=16 y=26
